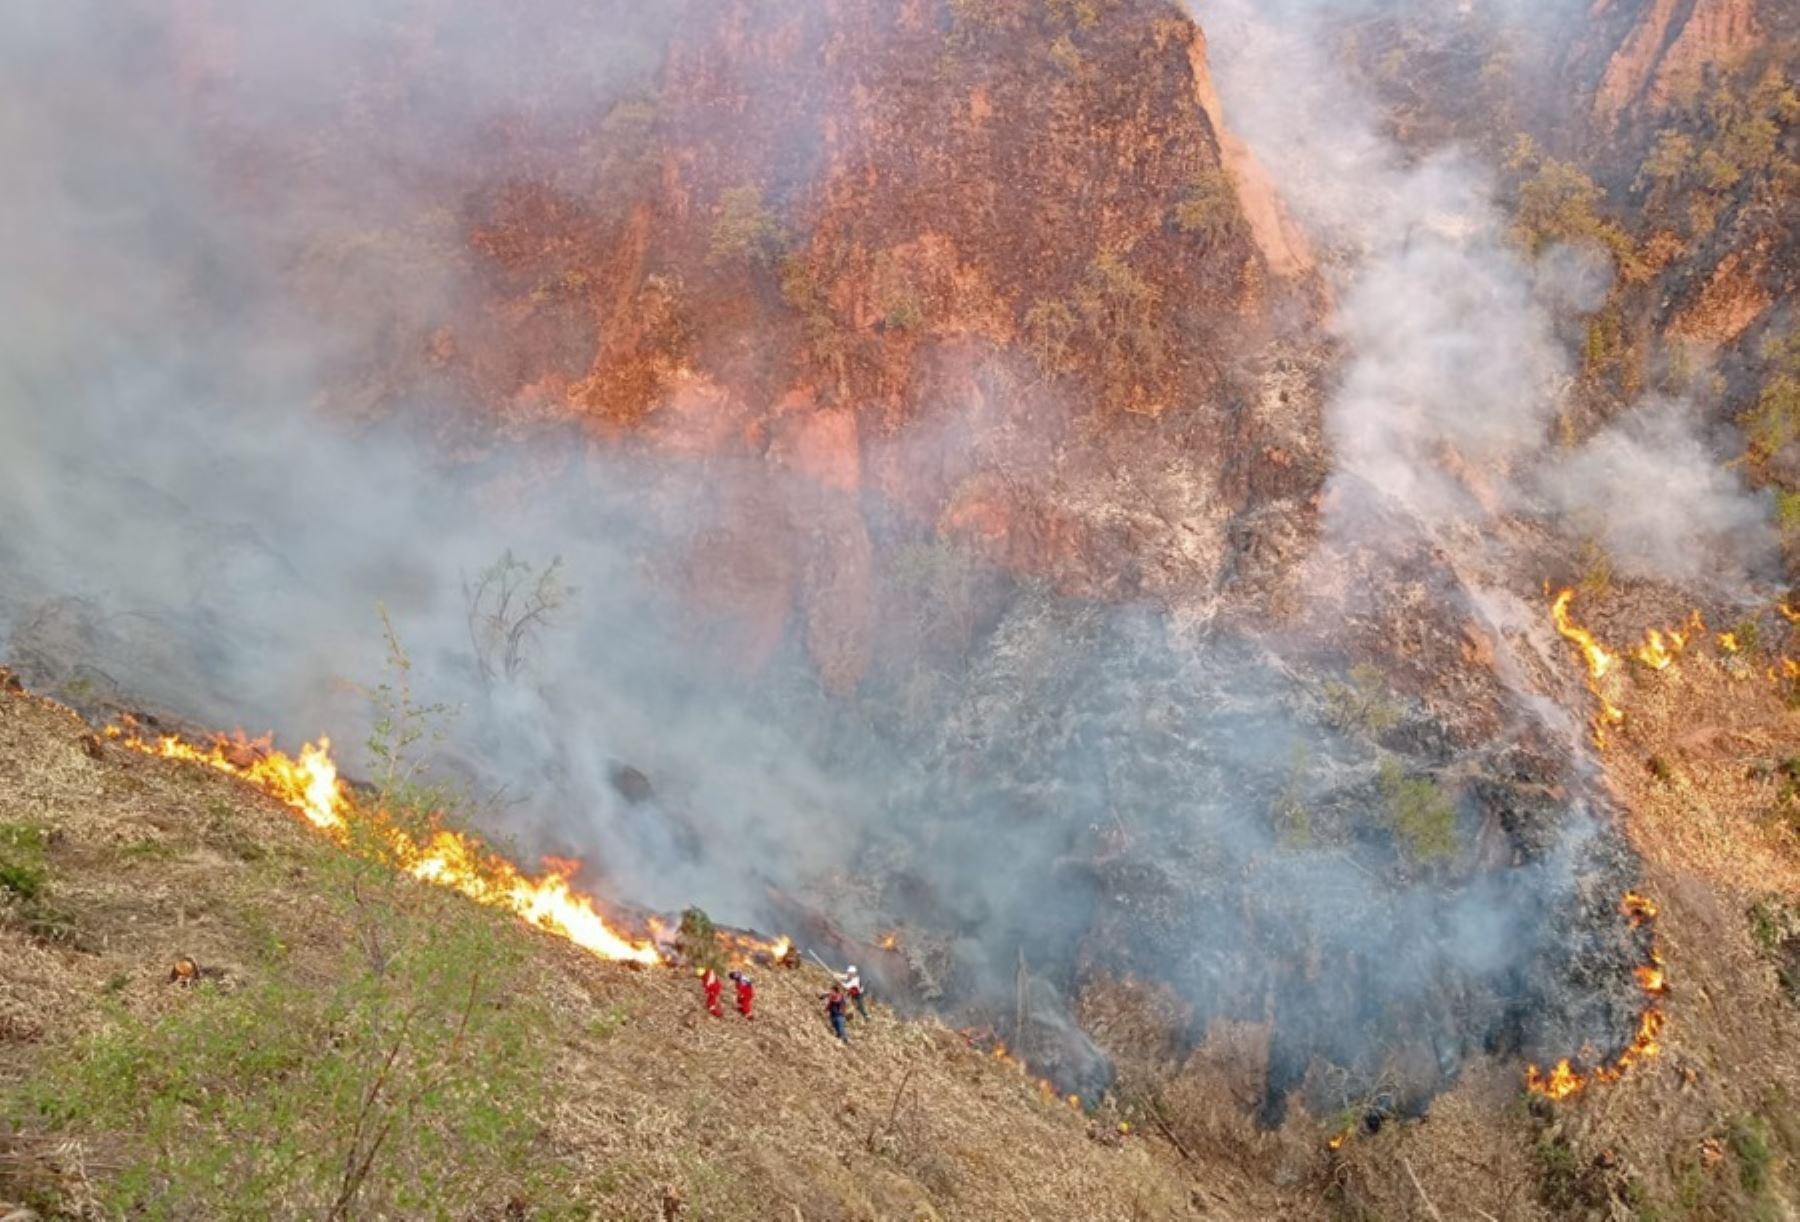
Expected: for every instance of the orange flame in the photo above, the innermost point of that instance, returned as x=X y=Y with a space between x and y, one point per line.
x=1564 y=1079
x=1599 y=661
x=1659 y=650
x=310 y=786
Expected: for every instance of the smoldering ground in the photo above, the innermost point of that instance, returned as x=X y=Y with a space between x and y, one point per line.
x=1083 y=789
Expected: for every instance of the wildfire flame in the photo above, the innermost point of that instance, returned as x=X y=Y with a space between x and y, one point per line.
x=998 y=1051
x=1564 y=1079
x=310 y=785
x=1599 y=660
x=1659 y=650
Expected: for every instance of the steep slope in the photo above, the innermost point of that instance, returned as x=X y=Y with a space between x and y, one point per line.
x=521 y=1077
x=971 y=271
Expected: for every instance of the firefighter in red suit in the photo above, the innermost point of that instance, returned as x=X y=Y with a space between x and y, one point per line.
x=746 y=993
x=709 y=980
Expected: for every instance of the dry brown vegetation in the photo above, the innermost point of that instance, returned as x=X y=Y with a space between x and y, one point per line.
x=536 y=1081
x=572 y=1087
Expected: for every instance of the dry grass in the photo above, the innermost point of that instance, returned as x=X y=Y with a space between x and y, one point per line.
x=1695 y=770
x=653 y=1109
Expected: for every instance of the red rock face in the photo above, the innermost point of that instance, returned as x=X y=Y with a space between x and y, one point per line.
x=919 y=252
x=1668 y=44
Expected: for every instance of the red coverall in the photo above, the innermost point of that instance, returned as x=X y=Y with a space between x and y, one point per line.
x=746 y=992
x=710 y=982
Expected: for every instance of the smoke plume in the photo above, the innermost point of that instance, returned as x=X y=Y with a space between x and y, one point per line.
x=198 y=258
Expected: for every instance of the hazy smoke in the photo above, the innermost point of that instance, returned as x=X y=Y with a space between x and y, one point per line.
x=1655 y=494
x=1454 y=371
x=197 y=259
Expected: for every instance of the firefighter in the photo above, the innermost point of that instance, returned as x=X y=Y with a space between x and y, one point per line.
x=853 y=986
x=746 y=994
x=834 y=1010
x=709 y=981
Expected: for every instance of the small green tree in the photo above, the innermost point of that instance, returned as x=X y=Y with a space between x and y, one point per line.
x=1210 y=208
x=1420 y=814
x=1775 y=420
x=746 y=230
x=509 y=605
x=1555 y=201
x=405 y=1084
x=403 y=731
x=1362 y=706
x=1050 y=329
x=698 y=940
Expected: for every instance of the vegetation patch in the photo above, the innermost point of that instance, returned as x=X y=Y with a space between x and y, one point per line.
x=404 y=1080
x=1420 y=814
x=24 y=873
x=746 y=231
x=1210 y=208
x=1362 y=705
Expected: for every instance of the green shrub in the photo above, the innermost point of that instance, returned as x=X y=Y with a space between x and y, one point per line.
x=407 y=1084
x=23 y=872
x=1210 y=208
x=746 y=230
x=1362 y=706
x=1775 y=419
x=1555 y=201
x=1749 y=1141
x=699 y=940
x=1050 y=329
x=1421 y=816
x=1084 y=14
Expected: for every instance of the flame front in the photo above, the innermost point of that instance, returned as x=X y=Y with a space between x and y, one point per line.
x=311 y=787
x=1599 y=661
x=1564 y=1079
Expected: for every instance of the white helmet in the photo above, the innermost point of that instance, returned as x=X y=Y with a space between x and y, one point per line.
x=851 y=970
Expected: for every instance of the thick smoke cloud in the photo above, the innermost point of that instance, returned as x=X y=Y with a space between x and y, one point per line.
x=179 y=520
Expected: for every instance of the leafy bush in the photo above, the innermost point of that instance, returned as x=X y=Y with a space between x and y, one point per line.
x=1749 y=1141
x=1556 y=202
x=408 y=1082
x=1050 y=328
x=699 y=940
x=23 y=873
x=1210 y=209
x=1121 y=314
x=938 y=581
x=1420 y=814
x=1084 y=14
x=1362 y=706
x=746 y=230
x=1775 y=420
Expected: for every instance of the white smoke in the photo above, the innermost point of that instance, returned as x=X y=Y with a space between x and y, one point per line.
x=1654 y=492
x=1454 y=373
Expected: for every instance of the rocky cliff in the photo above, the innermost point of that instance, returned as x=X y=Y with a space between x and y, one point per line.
x=992 y=274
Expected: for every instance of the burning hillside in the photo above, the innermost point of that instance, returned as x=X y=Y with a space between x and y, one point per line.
x=1037 y=500
x=309 y=784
